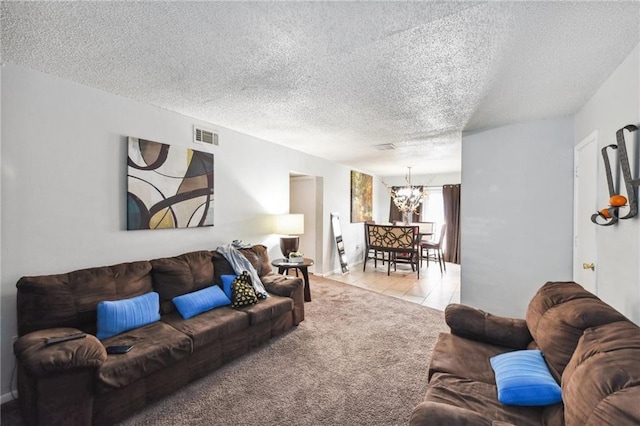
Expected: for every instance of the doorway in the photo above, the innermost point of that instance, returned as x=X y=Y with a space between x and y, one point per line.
x=305 y=196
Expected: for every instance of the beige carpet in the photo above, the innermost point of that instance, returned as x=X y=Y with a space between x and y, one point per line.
x=359 y=358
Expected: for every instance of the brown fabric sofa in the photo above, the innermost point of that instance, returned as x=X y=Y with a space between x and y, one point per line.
x=592 y=350
x=77 y=383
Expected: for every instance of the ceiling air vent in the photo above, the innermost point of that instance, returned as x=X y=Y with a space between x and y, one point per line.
x=205 y=136
x=384 y=147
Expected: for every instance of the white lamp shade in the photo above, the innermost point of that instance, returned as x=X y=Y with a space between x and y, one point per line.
x=290 y=224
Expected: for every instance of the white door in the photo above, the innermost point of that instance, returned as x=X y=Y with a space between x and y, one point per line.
x=585 y=204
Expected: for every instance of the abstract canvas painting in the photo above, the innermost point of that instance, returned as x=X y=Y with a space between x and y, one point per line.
x=361 y=197
x=168 y=186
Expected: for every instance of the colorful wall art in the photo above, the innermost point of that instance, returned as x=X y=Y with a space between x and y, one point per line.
x=168 y=186
x=361 y=197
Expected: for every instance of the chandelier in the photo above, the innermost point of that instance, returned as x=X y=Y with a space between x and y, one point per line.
x=407 y=198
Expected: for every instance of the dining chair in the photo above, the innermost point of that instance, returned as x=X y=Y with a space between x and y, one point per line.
x=396 y=242
x=371 y=253
x=436 y=246
x=410 y=256
x=426 y=230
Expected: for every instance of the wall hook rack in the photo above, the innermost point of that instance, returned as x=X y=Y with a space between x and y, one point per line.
x=610 y=216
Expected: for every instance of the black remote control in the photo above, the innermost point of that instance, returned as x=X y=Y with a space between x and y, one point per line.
x=54 y=340
x=118 y=350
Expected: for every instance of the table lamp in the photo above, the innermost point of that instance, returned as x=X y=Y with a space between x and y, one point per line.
x=290 y=225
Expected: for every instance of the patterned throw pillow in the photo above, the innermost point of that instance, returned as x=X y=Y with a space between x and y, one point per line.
x=242 y=293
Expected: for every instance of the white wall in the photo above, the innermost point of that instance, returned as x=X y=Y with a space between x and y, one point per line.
x=63 y=186
x=5 y=355
x=516 y=213
x=613 y=106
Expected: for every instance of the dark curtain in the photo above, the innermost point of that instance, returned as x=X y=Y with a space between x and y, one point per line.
x=394 y=213
x=451 y=199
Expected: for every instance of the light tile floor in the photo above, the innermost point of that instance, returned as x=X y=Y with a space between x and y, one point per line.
x=433 y=289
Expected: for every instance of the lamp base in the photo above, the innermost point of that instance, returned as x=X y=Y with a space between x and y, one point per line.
x=289 y=245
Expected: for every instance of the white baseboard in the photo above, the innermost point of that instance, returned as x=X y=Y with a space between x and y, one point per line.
x=339 y=271
x=8 y=396
x=336 y=271
x=326 y=274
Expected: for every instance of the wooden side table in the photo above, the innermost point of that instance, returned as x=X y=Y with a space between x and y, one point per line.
x=284 y=265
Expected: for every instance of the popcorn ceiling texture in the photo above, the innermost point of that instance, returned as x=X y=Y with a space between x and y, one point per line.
x=334 y=79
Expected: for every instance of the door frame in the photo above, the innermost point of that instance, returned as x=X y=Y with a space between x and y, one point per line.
x=592 y=138
x=311 y=207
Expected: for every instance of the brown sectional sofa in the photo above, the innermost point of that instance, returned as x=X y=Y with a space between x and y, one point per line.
x=77 y=383
x=592 y=350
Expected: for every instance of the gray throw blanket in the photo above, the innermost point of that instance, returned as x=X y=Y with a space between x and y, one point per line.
x=240 y=264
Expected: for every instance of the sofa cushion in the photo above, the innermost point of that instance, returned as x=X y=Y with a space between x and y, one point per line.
x=210 y=326
x=476 y=324
x=221 y=266
x=175 y=276
x=601 y=384
x=268 y=308
x=435 y=413
x=155 y=347
x=282 y=285
x=70 y=299
x=557 y=316
x=523 y=378
x=257 y=255
x=259 y=258
x=463 y=357
x=197 y=302
x=117 y=316
x=480 y=398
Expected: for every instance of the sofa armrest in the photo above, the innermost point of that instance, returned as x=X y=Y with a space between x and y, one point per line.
x=56 y=382
x=476 y=324
x=285 y=286
x=281 y=285
x=435 y=413
x=39 y=360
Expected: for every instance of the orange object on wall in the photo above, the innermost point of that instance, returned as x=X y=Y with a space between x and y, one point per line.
x=618 y=200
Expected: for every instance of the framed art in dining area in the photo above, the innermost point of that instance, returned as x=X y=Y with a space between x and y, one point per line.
x=361 y=197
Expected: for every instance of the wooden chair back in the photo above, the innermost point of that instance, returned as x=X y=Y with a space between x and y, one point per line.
x=392 y=238
x=400 y=243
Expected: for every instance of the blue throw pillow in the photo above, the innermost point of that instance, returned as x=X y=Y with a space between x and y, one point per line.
x=115 y=317
x=197 y=302
x=227 y=280
x=523 y=378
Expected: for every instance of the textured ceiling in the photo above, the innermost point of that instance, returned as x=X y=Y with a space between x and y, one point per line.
x=334 y=79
